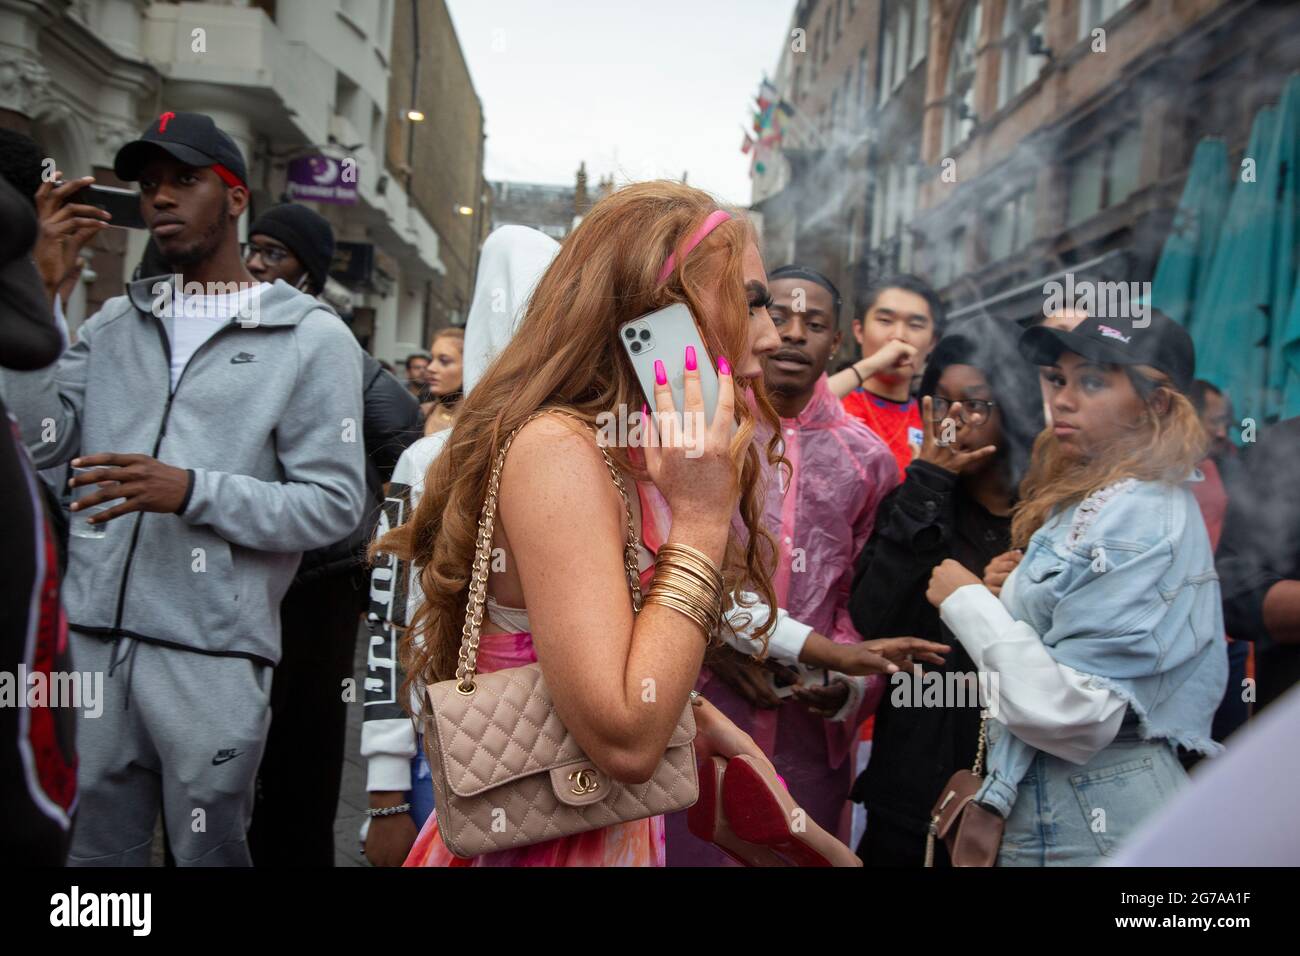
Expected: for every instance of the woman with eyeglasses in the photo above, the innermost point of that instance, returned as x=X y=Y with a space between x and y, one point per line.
x=981 y=410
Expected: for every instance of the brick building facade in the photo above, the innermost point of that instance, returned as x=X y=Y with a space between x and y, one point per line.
x=992 y=144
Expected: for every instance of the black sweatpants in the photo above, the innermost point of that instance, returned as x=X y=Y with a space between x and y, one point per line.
x=298 y=783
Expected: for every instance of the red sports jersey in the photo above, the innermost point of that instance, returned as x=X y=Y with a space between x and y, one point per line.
x=898 y=423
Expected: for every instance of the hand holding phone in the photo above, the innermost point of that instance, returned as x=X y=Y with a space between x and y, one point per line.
x=664 y=336
x=66 y=226
x=123 y=205
x=691 y=465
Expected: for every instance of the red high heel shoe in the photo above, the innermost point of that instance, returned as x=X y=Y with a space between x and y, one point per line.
x=760 y=811
x=706 y=820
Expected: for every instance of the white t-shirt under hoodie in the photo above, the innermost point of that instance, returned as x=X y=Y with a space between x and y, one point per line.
x=197 y=318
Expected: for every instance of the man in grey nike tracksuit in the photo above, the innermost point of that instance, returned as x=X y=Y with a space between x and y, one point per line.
x=235 y=441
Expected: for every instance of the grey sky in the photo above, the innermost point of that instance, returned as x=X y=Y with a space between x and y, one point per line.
x=638 y=89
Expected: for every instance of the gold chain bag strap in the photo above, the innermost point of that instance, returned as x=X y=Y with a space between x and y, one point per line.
x=972 y=832
x=506 y=772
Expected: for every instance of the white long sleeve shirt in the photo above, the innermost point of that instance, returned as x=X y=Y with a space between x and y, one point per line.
x=784 y=644
x=1055 y=708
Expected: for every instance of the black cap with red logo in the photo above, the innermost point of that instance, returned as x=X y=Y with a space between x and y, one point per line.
x=192 y=138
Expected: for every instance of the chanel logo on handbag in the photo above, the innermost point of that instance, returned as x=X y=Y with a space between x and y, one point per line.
x=584 y=781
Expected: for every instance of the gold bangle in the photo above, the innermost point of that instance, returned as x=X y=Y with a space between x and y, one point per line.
x=687 y=581
x=702 y=605
x=684 y=608
x=686 y=549
x=706 y=592
x=688 y=568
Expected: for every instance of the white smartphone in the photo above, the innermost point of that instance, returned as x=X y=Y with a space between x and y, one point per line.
x=663 y=336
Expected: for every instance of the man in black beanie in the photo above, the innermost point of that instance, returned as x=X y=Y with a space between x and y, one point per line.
x=293 y=243
x=302 y=768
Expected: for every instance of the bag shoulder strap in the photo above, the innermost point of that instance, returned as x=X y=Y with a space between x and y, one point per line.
x=469 y=641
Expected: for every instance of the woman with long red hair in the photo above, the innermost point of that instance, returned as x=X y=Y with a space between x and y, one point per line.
x=560 y=596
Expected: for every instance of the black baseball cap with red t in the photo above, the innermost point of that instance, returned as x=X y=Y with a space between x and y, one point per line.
x=1155 y=340
x=192 y=138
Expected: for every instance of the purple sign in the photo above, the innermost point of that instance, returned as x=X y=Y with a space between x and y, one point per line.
x=322 y=179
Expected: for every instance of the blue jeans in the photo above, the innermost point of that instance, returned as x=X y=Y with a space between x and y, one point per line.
x=421 y=794
x=1071 y=815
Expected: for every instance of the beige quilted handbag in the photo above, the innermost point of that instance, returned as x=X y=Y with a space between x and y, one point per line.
x=506 y=772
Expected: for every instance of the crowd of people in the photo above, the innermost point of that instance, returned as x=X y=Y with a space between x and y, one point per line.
x=1032 y=553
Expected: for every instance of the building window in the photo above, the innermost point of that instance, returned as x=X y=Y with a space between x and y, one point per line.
x=1086 y=175
x=893 y=207
x=902 y=41
x=826 y=33
x=1022 y=20
x=816 y=55
x=1125 y=165
x=839 y=18
x=920 y=31
x=1104 y=175
x=886 y=62
x=862 y=79
x=959 y=116
x=1010 y=226
x=1093 y=13
x=948 y=258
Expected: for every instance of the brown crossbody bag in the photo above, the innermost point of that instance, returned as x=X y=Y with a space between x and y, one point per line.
x=506 y=772
x=972 y=833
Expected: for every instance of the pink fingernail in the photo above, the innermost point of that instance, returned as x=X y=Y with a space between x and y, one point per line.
x=661 y=374
x=723 y=365
x=690 y=358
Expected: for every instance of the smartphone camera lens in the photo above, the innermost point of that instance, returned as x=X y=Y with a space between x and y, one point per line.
x=635 y=346
x=645 y=335
x=630 y=334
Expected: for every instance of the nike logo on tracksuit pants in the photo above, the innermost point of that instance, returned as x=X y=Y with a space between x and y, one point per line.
x=194 y=723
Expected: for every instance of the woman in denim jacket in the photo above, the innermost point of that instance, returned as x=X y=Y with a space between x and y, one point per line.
x=1104 y=648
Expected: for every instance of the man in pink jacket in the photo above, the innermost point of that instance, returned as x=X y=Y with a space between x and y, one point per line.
x=820 y=518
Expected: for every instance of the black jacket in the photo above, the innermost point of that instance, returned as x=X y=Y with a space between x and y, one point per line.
x=1260 y=546
x=392 y=423
x=915 y=750
x=38 y=773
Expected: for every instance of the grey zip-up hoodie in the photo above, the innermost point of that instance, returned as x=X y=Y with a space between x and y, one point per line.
x=266 y=416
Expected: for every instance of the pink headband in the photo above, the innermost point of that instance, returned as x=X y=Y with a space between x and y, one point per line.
x=716 y=218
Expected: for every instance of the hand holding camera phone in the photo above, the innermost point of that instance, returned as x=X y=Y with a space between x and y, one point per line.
x=122 y=204
x=686 y=453
x=663 y=336
x=66 y=225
